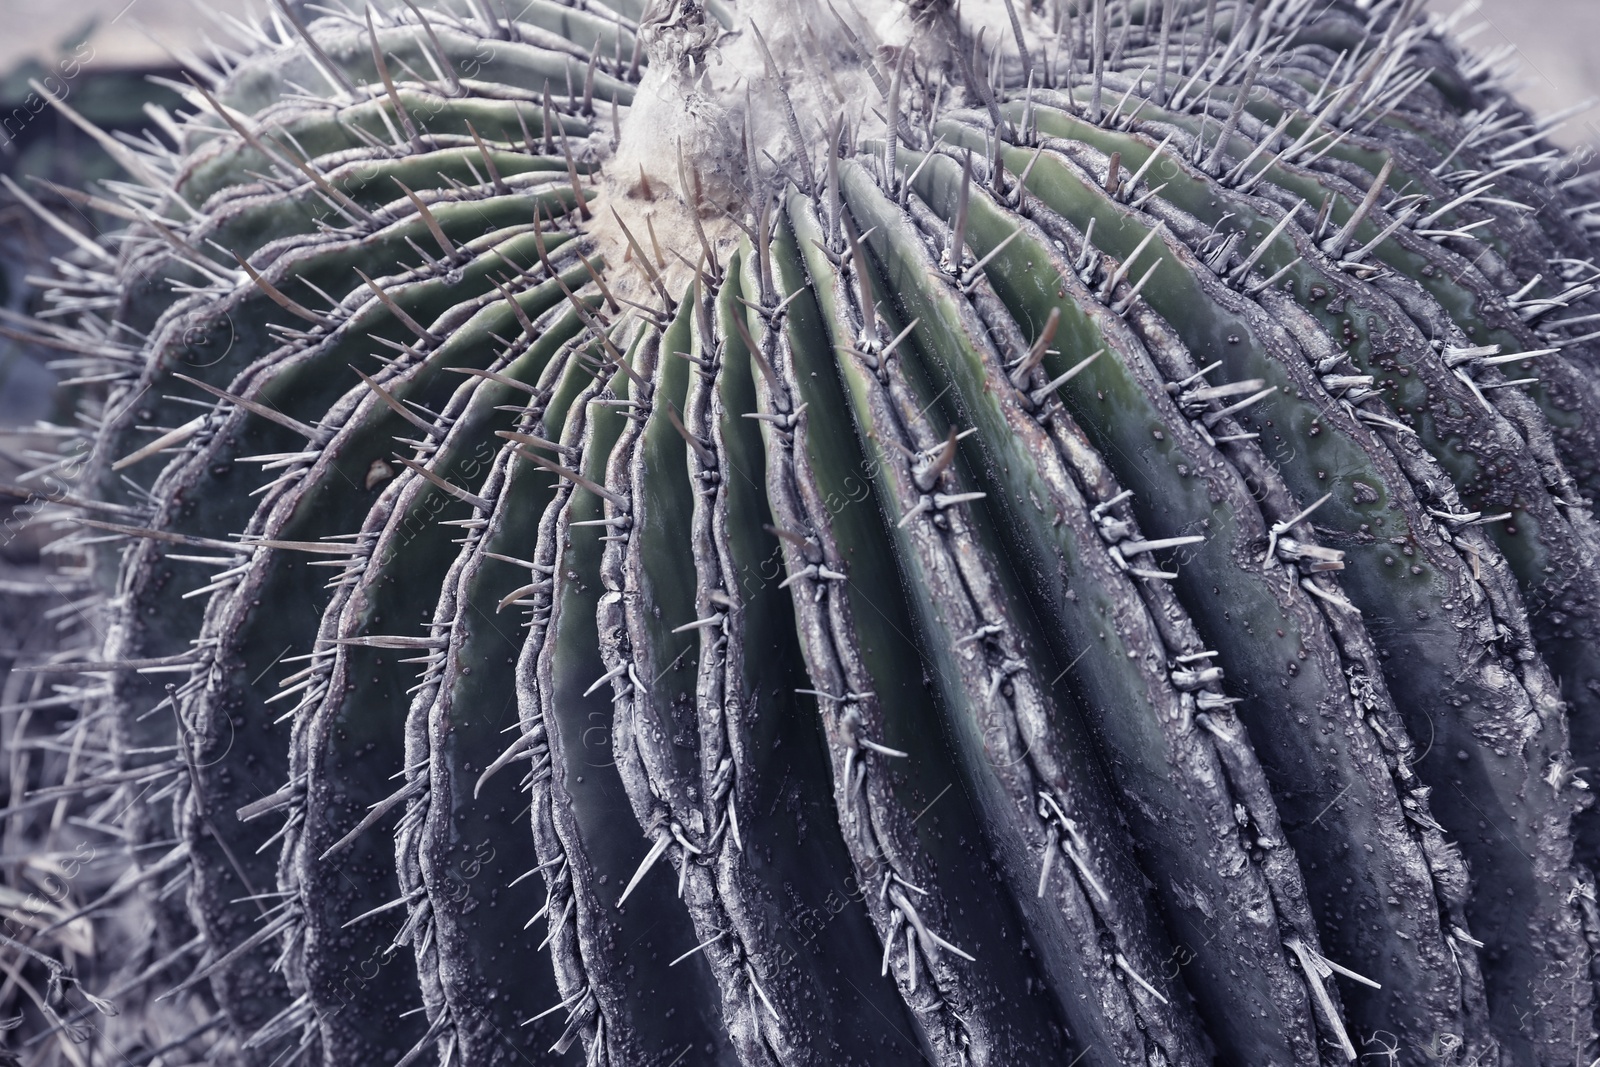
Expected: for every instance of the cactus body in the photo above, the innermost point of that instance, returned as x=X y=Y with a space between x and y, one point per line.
x=1087 y=559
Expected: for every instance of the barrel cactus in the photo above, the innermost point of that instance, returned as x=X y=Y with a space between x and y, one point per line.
x=806 y=533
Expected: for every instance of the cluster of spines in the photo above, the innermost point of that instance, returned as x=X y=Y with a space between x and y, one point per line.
x=249 y=218
x=1098 y=173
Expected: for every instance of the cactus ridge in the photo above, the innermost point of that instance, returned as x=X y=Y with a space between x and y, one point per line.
x=771 y=535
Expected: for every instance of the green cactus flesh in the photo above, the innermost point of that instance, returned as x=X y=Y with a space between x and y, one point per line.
x=765 y=534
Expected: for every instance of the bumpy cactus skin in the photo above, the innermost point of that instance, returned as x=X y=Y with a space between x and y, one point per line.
x=757 y=534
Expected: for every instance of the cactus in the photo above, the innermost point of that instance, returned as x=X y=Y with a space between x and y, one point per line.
x=774 y=534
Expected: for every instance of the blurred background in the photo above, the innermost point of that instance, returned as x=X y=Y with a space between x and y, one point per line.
x=1558 y=45
x=100 y=57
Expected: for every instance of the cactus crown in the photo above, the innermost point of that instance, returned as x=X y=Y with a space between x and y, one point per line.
x=784 y=534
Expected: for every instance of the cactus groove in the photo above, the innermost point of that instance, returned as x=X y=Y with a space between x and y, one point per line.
x=1033 y=531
